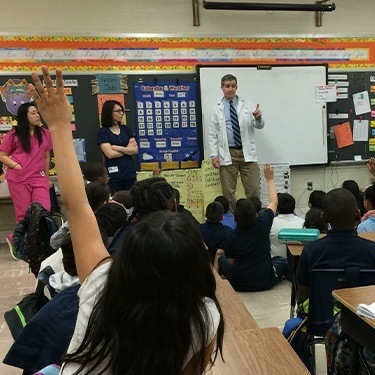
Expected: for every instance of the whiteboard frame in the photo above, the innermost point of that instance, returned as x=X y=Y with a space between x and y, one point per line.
x=306 y=140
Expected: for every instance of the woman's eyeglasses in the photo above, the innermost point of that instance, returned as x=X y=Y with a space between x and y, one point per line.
x=118 y=111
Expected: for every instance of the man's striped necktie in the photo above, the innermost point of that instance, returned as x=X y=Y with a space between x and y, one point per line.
x=235 y=125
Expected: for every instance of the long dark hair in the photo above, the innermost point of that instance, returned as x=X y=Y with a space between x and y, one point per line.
x=22 y=130
x=106 y=117
x=151 y=303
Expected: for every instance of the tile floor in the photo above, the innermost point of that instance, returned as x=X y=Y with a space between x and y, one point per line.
x=269 y=308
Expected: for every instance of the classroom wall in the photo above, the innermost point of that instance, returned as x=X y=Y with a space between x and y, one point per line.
x=174 y=17
x=85 y=17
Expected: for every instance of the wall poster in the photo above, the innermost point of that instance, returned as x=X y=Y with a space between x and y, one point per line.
x=166 y=119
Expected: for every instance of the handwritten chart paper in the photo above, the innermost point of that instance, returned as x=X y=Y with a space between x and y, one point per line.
x=360 y=130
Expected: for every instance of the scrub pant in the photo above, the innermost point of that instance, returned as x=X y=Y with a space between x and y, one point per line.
x=24 y=193
x=249 y=173
x=118 y=185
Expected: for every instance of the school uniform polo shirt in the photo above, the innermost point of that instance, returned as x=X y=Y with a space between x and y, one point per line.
x=250 y=248
x=339 y=249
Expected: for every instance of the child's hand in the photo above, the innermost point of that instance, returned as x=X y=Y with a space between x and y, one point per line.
x=268 y=172
x=53 y=105
x=371 y=165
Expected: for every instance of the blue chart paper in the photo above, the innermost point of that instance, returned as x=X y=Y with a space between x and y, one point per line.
x=166 y=121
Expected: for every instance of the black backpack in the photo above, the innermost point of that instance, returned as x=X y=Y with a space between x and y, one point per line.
x=32 y=235
x=298 y=339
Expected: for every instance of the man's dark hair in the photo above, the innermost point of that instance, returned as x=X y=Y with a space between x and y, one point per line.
x=228 y=77
x=256 y=202
x=214 y=212
x=224 y=201
x=245 y=214
x=286 y=203
x=316 y=198
x=340 y=209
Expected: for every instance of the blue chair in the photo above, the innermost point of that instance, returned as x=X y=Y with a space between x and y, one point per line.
x=322 y=283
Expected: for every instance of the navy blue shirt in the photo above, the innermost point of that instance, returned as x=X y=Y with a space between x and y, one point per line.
x=121 y=168
x=250 y=248
x=339 y=249
x=214 y=236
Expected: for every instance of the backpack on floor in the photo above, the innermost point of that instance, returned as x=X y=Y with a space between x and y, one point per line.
x=32 y=235
x=295 y=331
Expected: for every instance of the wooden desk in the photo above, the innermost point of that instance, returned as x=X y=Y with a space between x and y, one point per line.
x=236 y=316
x=361 y=329
x=257 y=351
x=294 y=252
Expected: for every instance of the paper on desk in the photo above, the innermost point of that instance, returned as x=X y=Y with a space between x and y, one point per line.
x=366 y=310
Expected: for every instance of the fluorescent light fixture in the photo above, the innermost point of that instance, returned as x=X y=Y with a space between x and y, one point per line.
x=216 y=5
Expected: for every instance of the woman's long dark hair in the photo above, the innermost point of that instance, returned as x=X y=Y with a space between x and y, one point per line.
x=22 y=130
x=153 y=300
x=107 y=109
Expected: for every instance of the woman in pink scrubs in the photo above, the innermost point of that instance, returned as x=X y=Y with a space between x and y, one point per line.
x=25 y=151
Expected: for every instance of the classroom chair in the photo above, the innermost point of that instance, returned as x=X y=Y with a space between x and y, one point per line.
x=321 y=302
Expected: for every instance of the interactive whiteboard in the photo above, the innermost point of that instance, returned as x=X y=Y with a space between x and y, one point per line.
x=296 y=124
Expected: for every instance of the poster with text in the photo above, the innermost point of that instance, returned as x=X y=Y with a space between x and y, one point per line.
x=166 y=117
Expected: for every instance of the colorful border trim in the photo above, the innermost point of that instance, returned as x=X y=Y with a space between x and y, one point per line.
x=26 y=53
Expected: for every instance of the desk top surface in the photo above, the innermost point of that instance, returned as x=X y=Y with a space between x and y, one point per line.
x=257 y=351
x=296 y=250
x=236 y=316
x=352 y=297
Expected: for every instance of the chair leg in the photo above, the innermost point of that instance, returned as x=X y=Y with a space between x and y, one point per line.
x=363 y=361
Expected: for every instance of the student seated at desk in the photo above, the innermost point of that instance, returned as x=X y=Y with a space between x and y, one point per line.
x=368 y=220
x=247 y=261
x=341 y=248
x=285 y=219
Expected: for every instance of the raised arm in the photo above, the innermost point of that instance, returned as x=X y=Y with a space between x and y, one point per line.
x=88 y=247
x=371 y=166
x=268 y=174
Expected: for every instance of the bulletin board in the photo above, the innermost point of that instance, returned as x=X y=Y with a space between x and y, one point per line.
x=347 y=112
x=83 y=91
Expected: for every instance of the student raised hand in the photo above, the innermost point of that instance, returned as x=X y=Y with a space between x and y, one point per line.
x=268 y=174
x=371 y=165
x=52 y=104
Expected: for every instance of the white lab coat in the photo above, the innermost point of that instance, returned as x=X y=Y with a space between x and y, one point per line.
x=218 y=140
